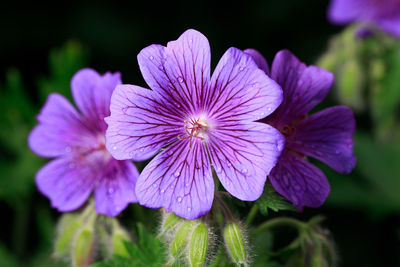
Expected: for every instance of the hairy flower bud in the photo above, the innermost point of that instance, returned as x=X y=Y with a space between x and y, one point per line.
x=118 y=239
x=181 y=237
x=67 y=228
x=234 y=238
x=170 y=223
x=198 y=245
x=82 y=253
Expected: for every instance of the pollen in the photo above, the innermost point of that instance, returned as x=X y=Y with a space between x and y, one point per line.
x=195 y=127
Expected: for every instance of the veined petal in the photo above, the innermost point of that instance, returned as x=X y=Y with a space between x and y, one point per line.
x=299 y=181
x=67 y=182
x=61 y=130
x=328 y=136
x=258 y=59
x=179 y=72
x=243 y=155
x=391 y=24
x=179 y=179
x=303 y=87
x=240 y=90
x=141 y=123
x=116 y=189
x=92 y=94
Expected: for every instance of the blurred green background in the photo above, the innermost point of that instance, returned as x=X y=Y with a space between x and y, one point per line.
x=43 y=44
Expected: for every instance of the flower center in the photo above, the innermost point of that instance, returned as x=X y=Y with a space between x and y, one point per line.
x=195 y=128
x=289 y=132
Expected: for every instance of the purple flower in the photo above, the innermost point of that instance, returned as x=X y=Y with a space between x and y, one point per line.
x=383 y=13
x=82 y=162
x=325 y=135
x=196 y=123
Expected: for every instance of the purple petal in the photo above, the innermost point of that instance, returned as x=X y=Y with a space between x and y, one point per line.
x=179 y=179
x=243 y=155
x=179 y=72
x=345 y=11
x=258 y=59
x=303 y=87
x=299 y=181
x=61 y=130
x=328 y=136
x=140 y=123
x=92 y=94
x=66 y=182
x=117 y=188
x=240 y=90
x=391 y=24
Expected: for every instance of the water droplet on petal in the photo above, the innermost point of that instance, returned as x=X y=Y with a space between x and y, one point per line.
x=229 y=164
x=114 y=147
x=110 y=190
x=241 y=68
x=244 y=171
x=162 y=191
x=262 y=114
x=254 y=84
x=151 y=57
x=269 y=109
x=68 y=149
x=154 y=185
x=160 y=67
x=187 y=184
x=141 y=150
x=279 y=145
x=179 y=199
x=189 y=209
x=180 y=79
x=176 y=174
x=218 y=169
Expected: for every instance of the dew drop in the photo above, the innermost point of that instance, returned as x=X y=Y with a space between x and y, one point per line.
x=180 y=79
x=279 y=145
x=179 y=199
x=141 y=150
x=154 y=185
x=269 y=109
x=254 y=84
x=68 y=149
x=241 y=68
x=218 y=169
x=176 y=174
x=262 y=114
x=151 y=57
x=160 y=67
x=300 y=83
x=162 y=191
x=114 y=148
x=187 y=184
x=110 y=190
x=229 y=164
x=244 y=171
x=189 y=209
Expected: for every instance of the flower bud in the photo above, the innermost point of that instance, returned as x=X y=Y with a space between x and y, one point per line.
x=179 y=242
x=170 y=223
x=234 y=239
x=67 y=228
x=118 y=239
x=198 y=245
x=82 y=253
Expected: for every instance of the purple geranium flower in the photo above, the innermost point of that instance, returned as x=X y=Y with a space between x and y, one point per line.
x=198 y=122
x=325 y=135
x=82 y=162
x=382 y=13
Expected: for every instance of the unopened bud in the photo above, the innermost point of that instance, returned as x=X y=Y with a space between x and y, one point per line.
x=235 y=243
x=82 y=253
x=198 y=245
x=318 y=261
x=119 y=237
x=67 y=228
x=170 y=223
x=179 y=242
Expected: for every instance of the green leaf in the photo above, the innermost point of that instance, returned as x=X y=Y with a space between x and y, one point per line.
x=270 y=199
x=148 y=251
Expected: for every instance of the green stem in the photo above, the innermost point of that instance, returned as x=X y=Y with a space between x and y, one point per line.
x=281 y=221
x=252 y=214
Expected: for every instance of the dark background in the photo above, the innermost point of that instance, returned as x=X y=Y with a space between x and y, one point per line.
x=113 y=33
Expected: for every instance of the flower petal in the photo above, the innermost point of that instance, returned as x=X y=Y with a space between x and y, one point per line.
x=345 y=11
x=328 y=136
x=181 y=71
x=117 y=188
x=303 y=87
x=179 y=179
x=61 y=130
x=92 y=94
x=391 y=24
x=66 y=182
x=299 y=181
x=258 y=59
x=141 y=123
x=240 y=90
x=243 y=155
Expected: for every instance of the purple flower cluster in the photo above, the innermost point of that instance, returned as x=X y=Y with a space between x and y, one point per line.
x=383 y=13
x=232 y=123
